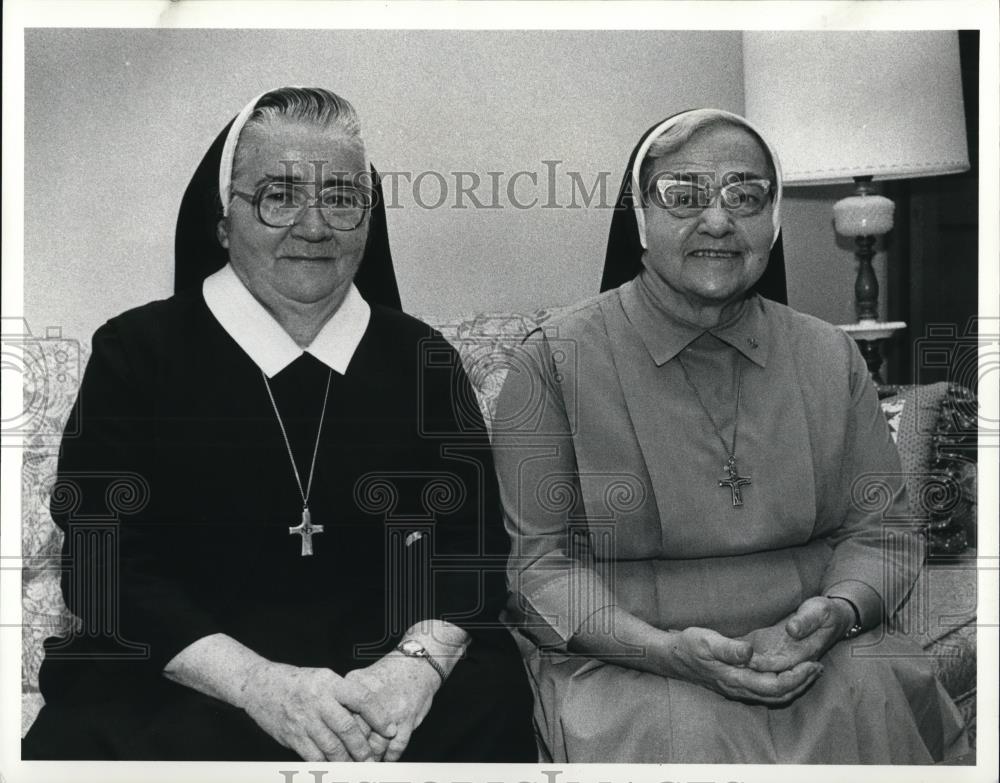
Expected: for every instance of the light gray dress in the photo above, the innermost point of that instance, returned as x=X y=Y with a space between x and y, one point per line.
x=609 y=467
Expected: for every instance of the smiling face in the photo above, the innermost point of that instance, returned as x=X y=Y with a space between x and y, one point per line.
x=711 y=260
x=307 y=263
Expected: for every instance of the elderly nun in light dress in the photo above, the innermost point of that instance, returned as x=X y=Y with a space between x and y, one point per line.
x=687 y=469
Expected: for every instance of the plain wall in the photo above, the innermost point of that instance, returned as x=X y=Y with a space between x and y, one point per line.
x=117 y=120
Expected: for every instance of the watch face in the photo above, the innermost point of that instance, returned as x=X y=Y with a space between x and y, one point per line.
x=412 y=647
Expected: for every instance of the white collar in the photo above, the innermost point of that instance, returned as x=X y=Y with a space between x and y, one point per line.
x=265 y=341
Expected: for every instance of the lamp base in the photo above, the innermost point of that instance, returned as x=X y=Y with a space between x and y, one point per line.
x=869 y=336
x=864 y=216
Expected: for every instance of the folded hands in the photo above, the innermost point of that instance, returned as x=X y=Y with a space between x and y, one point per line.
x=367 y=715
x=772 y=665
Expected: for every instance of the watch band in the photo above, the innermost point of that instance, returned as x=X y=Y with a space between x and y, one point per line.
x=855 y=629
x=411 y=648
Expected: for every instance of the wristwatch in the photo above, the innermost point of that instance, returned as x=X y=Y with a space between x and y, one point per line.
x=411 y=648
x=855 y=629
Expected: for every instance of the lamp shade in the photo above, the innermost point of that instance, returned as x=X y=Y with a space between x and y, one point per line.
x=839 y=105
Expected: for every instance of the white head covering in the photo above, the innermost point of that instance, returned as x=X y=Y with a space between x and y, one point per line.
x=229 y=152
x=668 y=123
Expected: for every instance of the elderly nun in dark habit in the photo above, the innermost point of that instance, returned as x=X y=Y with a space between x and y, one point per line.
x=282 y=412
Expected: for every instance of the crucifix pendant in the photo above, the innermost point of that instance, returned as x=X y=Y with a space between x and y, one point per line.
x=735 y=481
x=306 y=529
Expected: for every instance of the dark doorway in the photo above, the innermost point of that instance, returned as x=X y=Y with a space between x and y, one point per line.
x=934 y=273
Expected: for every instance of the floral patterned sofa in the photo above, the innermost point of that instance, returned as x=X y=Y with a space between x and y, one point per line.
x=934 y=427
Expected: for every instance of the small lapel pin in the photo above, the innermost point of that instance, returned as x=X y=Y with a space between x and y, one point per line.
x=413 y=538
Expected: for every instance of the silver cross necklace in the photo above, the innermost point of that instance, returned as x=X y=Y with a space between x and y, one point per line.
x=305 y=528
x=734 y=482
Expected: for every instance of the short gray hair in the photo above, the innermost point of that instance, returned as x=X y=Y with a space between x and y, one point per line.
x=681 y=132
x=314 y=105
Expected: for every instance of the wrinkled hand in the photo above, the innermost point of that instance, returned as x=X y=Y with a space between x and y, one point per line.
x=717 y=662
x=312 y=711
x=805 y=635
x=404 y=689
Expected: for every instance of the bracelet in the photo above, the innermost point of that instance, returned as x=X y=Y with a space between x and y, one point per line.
x=411 y=648
x=855 y=629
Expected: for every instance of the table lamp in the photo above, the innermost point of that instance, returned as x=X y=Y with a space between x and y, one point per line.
x=859 y=106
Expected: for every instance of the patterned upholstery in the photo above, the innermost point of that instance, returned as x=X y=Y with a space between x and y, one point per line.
x=934 y=427
x=485 y=343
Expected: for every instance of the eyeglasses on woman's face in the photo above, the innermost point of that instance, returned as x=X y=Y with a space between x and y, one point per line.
x=281 y=204
x=687 y=198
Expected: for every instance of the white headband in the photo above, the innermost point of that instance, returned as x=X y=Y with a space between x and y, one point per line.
x=229 y=152
x=659 y=130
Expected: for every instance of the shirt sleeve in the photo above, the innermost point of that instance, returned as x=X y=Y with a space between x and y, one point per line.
x=555 y=586
x=877 y=554
x=127 y=591
x=468 y=588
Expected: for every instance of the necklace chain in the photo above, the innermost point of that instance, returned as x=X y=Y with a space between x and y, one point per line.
x=730 y=450
x=288 y=445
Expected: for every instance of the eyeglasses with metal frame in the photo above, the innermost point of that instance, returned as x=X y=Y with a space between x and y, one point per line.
x=687 y=197
x=280 y=204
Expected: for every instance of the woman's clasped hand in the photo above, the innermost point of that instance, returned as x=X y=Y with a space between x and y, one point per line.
x=805 y=635
x=772 y=665
x=312 y=711
x=404 y=689
x=727 y=666
x=367 y=715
